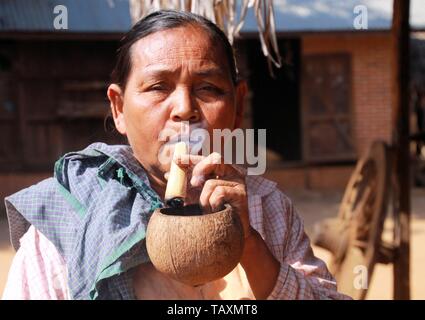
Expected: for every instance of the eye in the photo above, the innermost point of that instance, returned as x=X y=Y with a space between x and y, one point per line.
x=210 y=88
x=158 y=87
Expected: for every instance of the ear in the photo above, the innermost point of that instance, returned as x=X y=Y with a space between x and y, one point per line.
x=116 y=98
x=241 y=91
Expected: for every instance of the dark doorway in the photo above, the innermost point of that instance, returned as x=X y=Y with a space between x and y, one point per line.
x=275 y=101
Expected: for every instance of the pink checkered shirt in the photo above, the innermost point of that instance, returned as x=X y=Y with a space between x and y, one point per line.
x=39 y=272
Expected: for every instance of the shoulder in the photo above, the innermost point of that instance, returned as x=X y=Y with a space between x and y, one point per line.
x=269 y=208
x=38 y=271
x=269 y=192
x=74 y=184
x=27 y=204
x=83 y=173
x=79 y=166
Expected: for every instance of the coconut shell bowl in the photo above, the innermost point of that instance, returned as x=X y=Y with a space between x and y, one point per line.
x=192 y=247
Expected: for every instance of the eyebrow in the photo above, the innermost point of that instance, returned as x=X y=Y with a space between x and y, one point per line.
x=208 y=72
x=211 y=72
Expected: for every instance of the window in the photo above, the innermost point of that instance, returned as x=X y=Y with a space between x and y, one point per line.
x=326 y=108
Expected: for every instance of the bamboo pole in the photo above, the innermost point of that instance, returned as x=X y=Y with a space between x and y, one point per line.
x=400 y=32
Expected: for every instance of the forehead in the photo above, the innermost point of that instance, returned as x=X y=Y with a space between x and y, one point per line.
x=183 y=45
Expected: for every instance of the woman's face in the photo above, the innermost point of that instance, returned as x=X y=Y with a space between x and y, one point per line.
x=177 y=75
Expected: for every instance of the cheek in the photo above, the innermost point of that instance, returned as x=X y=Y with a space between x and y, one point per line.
x=220 y=116
x=144 y=121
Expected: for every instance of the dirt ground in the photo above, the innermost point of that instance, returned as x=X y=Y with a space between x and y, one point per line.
x=314 y=206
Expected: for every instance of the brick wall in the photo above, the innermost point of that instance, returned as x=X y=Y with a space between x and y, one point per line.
x=371 y=80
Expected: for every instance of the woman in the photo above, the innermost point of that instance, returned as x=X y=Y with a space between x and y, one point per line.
x=80 y=234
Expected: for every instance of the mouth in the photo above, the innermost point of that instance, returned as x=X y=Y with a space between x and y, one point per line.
x=194 y=145
x=188 y=140
x=194 y=135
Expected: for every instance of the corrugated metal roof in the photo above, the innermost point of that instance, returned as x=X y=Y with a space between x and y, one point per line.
x=114 y=16
x=336 y=15
x=323 y=15
x=83 y=15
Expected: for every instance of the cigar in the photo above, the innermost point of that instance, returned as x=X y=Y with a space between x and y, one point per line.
x=175 y=192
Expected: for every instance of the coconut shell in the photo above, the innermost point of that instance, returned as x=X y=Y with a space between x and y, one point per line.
x=195 y=249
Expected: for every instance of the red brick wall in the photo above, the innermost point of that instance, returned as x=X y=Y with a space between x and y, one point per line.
x=371 y=80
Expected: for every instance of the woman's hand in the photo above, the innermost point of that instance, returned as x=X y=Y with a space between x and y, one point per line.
x=214 y=183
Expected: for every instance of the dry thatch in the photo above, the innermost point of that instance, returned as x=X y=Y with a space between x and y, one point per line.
x=223 y=13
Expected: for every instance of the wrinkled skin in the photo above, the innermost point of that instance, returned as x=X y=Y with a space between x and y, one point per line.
x=181 y=75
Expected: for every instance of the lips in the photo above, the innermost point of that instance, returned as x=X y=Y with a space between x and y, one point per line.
x=187 y=140
x=193 y=134
x=194 y=145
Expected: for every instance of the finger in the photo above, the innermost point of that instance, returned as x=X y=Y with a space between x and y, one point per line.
x=209 y=166
x=236 y=197
x=188 y=160
x=206 y=166
x=225 y=194
x=166 y=175
x=208 y=189
x=218 y=197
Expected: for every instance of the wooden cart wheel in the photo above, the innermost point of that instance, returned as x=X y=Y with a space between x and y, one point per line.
x=354 y=237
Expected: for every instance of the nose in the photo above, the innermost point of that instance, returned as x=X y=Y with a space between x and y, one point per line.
x=184 y=108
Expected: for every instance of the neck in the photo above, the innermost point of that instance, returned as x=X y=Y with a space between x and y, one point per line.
x=158 y=184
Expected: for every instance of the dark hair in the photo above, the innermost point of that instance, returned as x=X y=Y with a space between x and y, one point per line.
x=163 y=20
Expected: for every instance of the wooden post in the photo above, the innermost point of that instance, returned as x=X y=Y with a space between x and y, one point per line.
x=400 y=31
